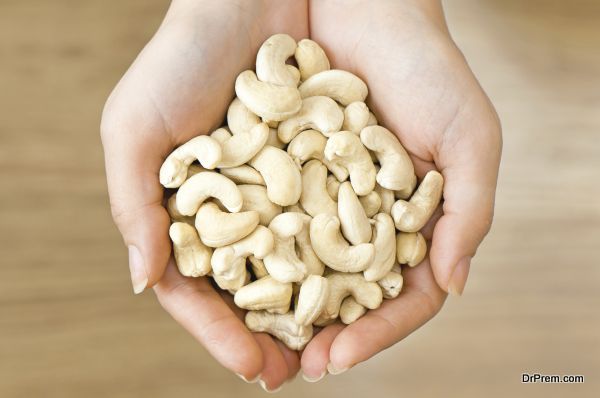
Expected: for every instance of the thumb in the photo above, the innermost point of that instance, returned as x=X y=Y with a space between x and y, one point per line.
x=132 y=164
x=469 y=190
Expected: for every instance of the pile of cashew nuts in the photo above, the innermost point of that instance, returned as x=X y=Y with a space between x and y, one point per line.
x=302 y=207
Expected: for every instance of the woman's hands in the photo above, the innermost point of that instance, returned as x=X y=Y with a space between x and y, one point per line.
x=179 y=87
x=421 y=88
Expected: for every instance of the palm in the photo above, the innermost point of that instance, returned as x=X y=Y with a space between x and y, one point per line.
x=422 y=90
x=179 y=87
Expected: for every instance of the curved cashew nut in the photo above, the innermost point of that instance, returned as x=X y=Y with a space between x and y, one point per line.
x=342 y=86
x=391 y=284
x=384 y=240
x=255 y=198
x=413 y=215
x=243 y=174
x=192 y=257
x=239 y=148
x=283 y=264
x=314 y=197
x=356 y=117
x=204 y=185
x=311 y=58
x=258 y=244
x=217 y=228
x=387 y=198
x=318 y=113
x=267 y=100
x=265 y=294
x=305 y=252
x=333 y=187
x=240 y=119
x=355 y=224
x=174 y=214
x=174 y=170
x=312 y=298
x=346 y=149
x=274 y=140
x=410 y=248
x=341 y=285
x=310 y=144
x=371 y=203
x=231 y=276
x=258 y=267
x=270 y=61
x=350 y=310
x=333 y=250
x=282 y=326
x=397 y=172
x=280 y=173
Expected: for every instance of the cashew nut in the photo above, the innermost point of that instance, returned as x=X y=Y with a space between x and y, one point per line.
x=282 y=326
x=267 y=100
x=243 y=174
x=342 y=285
x=356 y=117
x=304 y=249
x=410 y=248
x=174 y=170
x=318 y=113
x=283 y=264
x=342 y=86
x=333 y=250
x=391 y=284
x=237 y=149
x=397 y=172
x=346 y=149
x=387 y=198
x=280 y=173
x=312 y=298
x=355 y=224
x=371 y=203
x=310 y=144
x=314 y=197
x=372 y=120
x=384 y=240
x=333 y=187
x=174 y=214
x=311 y=58
x=240 y=119
x=350 y=310
x=258 y=267
x=273 y=139
x=270 y=61
x=217 y=228
x=265 y=294
x=411 y=216
x=191 y=255
x=255 y=198
x=204 y=185
x=232 y=276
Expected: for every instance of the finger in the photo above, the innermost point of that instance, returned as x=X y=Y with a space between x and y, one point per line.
x=427 y=230
x=378 y=329
x=291 y=358
x=132 y=164
x=469 y=190
x=315 y=356
x=200 y=310
x=275 y=371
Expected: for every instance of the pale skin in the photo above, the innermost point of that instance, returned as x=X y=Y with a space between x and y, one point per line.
x=420 y=87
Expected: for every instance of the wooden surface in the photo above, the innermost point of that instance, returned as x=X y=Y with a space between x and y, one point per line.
x=70 y=326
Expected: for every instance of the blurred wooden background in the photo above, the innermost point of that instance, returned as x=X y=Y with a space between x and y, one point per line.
x=70 y=326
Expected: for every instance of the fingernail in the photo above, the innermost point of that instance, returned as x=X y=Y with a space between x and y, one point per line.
x=139 y=279
x=334 y=371
x=249 y=381
x=264 y=387
x=314 y=379
x=458 y=279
